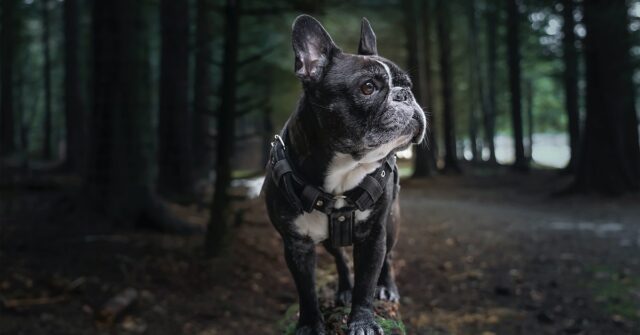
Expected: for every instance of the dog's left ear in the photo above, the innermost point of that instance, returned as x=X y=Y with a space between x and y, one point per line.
x=367 y=39
x=313 y=48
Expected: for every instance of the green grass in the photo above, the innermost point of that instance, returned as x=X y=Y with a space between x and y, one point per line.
x=288 y=323
x=245 y=173
x=333 y=316
x=391 y=326
x=615 y=292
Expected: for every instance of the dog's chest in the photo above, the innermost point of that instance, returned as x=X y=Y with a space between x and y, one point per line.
x=343 y=174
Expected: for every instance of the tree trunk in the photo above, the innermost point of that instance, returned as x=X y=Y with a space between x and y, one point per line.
x=421 y=167
x=119 y=170
x=570 y=57
x=218 y=232
x=425 y=162
x=202 y=113
x=514 y=58
x=74 y=116
x=412 y=42
x=473 y=119
x=8 y=24
x=444 y=40
x=386 y=312
x=175 y=167
x=47 y=145
x=610 y=156
x=489 y=116
x=529 y=98
x=476 y=89
x=266 y=125
x=268 y=130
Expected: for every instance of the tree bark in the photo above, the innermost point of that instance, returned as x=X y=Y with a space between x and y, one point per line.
x=202 y=113
x=8 y=25
x=425 y=162
x=119 y=172
x=570 y=58
x=421 y=167
x=266 y=125
x=610 y=156
x=514 y=58
x=529 y=98
x=413 y=57
x=47 y=145
x=476 y=86
x=489 y=117
x=73 y=114
x=218 y=232
x=444 y=40
x=175 y=167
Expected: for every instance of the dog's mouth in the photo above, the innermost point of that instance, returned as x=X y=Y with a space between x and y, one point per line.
x=419 y=123
x=413 y=133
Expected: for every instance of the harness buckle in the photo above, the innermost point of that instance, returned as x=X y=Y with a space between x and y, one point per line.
x=341 y=222
x=278 y=139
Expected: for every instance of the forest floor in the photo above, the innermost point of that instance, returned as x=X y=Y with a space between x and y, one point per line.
x=481 y=254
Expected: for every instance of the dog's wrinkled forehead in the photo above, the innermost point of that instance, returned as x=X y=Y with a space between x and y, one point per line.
x=353 y=68
x=395 y=76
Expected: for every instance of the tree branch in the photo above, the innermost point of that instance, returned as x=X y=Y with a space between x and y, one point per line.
x=244 y=110
x=257 y=56
x=238 y=137
x=264 y=11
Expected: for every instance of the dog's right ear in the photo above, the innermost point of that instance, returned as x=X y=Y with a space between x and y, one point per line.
x=367 y=39
x=313 y=48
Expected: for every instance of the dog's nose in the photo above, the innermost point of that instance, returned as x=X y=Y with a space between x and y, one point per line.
x=401 y=95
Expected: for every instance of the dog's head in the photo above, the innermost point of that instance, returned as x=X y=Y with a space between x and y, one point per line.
x=363 y=100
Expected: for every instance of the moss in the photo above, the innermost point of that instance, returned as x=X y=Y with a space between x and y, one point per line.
x=615 y=292
x=387 y=316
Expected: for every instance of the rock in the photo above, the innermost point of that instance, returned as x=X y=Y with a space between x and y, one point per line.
x=133 y=325
x=502 y=290
x=117 y=305
x=387 y=316
x=543 y=317
x=573 y=330
x=387 y=313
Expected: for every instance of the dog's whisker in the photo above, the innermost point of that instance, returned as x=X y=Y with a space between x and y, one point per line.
x=320 y=106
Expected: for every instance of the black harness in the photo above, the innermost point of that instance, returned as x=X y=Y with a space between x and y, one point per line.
x=306 y=197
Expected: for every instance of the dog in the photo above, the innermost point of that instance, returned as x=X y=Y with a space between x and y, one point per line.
x=332 y=177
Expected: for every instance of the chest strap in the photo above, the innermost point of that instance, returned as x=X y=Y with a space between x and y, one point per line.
x=305 y=197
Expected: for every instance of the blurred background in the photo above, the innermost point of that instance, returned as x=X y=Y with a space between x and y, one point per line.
x=133 y=137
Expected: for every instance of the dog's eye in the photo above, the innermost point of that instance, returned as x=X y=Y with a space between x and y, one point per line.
x=368 y=88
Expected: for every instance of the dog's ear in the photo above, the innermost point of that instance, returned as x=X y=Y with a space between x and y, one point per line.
x=367 y=39
x=313 y=48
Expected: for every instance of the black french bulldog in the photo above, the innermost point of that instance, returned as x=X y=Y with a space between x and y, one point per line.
x=330 y=171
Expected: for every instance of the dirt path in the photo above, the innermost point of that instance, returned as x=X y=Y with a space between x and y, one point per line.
x=477 y=255
x=508 y=258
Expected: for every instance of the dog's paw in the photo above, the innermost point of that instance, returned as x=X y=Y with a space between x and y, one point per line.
x=366 y=326
x=317 y=329
x=387 y=293
x=343 y=298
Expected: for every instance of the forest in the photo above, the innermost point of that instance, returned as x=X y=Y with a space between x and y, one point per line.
x=134 y=137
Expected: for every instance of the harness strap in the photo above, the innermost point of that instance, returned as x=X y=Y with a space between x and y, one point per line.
x=311 y=198
x=306 y=197
x=371 y=188
x=281 y=168
x=283 y=175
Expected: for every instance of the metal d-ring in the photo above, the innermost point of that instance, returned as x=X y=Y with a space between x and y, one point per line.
x=277 y=138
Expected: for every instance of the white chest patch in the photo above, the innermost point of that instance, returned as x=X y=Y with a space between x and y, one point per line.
x=344 y=173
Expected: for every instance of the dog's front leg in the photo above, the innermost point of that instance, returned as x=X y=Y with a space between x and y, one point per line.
x=301 y=260
x=368 y=256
